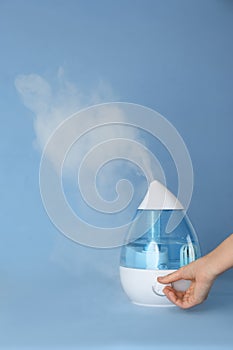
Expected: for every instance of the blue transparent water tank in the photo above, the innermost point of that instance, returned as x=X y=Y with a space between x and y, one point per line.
x=156 y=251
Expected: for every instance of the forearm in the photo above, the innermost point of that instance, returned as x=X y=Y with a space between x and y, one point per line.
x=221 y=258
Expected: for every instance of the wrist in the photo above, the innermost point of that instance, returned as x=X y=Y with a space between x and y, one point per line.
x=211 y=269
x=221 y=258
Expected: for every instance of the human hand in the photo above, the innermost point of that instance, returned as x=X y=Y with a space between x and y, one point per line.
x=201 y=277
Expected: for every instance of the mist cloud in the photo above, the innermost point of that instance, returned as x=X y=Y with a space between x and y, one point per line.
x=52 y=104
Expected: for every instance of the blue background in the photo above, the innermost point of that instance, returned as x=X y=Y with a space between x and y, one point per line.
x=173 y=56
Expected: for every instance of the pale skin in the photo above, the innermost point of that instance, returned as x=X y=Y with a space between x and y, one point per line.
x=202 y=274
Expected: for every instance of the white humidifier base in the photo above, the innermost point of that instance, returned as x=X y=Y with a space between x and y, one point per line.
x=142 y=286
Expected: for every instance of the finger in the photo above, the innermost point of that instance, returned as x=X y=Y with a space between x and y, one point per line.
x=180 y=302
x=171 y=296
x=185 y=303
x=180 y=299
x=172 y=277
x=178 y=294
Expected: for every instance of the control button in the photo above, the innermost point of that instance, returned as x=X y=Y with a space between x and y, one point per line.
x=158 y=289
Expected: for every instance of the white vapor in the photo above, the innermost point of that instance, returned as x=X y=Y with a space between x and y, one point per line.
x=52 y=105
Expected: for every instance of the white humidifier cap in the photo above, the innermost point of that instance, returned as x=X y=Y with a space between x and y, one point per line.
x=158 y=197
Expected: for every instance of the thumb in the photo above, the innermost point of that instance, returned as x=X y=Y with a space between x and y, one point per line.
x=172 y=277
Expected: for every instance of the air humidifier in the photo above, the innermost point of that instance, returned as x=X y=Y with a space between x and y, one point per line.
x=157 y=252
